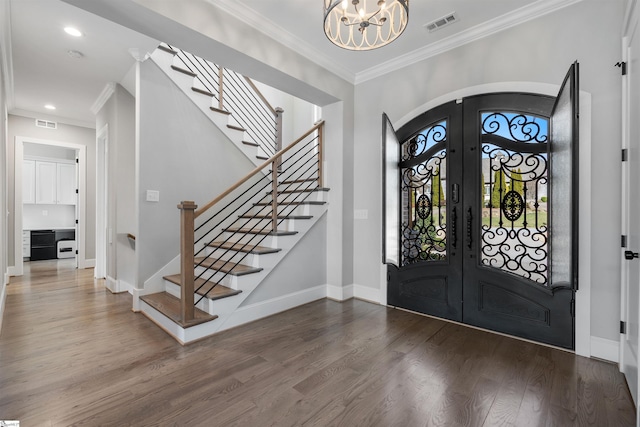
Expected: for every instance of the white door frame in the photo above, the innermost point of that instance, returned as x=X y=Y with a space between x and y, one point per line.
x=583 y=340
x=81 y=261
x=628 y=360
x=102 y=197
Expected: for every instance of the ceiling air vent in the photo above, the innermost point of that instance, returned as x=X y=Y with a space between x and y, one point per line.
x=46 y=124
x=449 y=18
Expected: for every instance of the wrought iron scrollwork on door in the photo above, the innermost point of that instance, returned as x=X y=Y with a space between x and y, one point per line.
x=515 y=173
x=423 y=179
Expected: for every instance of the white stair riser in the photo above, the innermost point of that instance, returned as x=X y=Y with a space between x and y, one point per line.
x=226 y=255
x=254 y=239
x=258 y=224
x=303 y=209
x=229 y=280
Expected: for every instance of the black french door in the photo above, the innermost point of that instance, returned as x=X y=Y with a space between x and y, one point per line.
x=480 y=213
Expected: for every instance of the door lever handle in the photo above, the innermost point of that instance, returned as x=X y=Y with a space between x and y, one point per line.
x=629 y=255
x=469 y=222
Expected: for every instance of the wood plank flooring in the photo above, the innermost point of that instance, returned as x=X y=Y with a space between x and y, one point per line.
x=71 y=353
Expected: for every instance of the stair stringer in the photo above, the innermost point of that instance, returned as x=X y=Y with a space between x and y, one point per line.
x=227 y=308
x=164 y=61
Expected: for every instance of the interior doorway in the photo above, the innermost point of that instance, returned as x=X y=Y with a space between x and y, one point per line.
x=78 y=211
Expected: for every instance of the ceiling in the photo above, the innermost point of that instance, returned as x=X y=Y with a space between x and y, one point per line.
x=43 y=71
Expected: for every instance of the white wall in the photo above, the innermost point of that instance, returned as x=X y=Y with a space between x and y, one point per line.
x=297 y=116
x=118 y=114
x=303 y=268
x=25 y=127
x=537 y=51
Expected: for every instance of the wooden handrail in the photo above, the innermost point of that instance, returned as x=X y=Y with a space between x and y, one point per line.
x=257 y=91
x=266 y=163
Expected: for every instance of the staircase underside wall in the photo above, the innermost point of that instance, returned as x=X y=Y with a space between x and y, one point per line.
x=183 y=156
x=304 y=267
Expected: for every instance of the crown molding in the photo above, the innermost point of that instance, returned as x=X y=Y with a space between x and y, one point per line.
x=6 y=56
x=104 y=96
x=488 y=28
x=282 y=36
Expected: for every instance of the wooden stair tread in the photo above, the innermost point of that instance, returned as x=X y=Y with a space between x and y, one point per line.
x=219 y=291
x=218 y=110
x=251 y=143
x=202 y=91
x=298 y=181
x=183 y=71
x=169 y=306
x=225 y=267
x=261 y=232
x=237 y=128
x=279 y=216
x=262 y=157
x=304 y=190
x=241 y=247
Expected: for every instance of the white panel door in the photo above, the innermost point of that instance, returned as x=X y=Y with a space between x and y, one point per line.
x=630 y=289
x=66 y=183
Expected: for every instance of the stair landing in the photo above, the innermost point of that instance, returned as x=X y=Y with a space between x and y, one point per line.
x=169 y=305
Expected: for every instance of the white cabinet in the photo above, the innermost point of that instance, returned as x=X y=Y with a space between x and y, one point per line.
x=66 y=184
x=29 y=181
x=26 y=243
x=48 y=182
x=46 y=173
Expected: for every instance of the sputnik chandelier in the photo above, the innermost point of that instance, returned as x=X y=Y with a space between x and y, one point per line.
x=364 y=24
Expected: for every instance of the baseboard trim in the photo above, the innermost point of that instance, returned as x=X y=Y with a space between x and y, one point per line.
x=118 y=286
x=366 y=293
x=262 y=309
x=605 y=349
x=89 y=263
x=339 y=293
x=343 y=293
x=3 y=298
x=12 y=271
x=111 y=284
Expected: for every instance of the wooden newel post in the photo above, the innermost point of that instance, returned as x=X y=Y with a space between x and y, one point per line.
x=187 y=220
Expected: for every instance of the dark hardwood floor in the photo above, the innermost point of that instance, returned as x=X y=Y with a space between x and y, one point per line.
x=71 y=353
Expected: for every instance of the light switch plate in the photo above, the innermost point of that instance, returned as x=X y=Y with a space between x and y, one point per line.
x=153 y=196
x=361 y=214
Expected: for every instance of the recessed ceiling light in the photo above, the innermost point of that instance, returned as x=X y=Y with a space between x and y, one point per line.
x=50 y=107
x=72 y=31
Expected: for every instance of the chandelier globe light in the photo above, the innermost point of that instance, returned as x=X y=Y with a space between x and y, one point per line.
x=364 y=24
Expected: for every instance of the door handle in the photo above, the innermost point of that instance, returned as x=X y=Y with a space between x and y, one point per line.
x=455 y=193
x=469 y=220
x=454 y=227
x=629 y=255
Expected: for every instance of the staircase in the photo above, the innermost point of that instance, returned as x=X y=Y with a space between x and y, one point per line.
x=231 y=244
x=231 y=100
